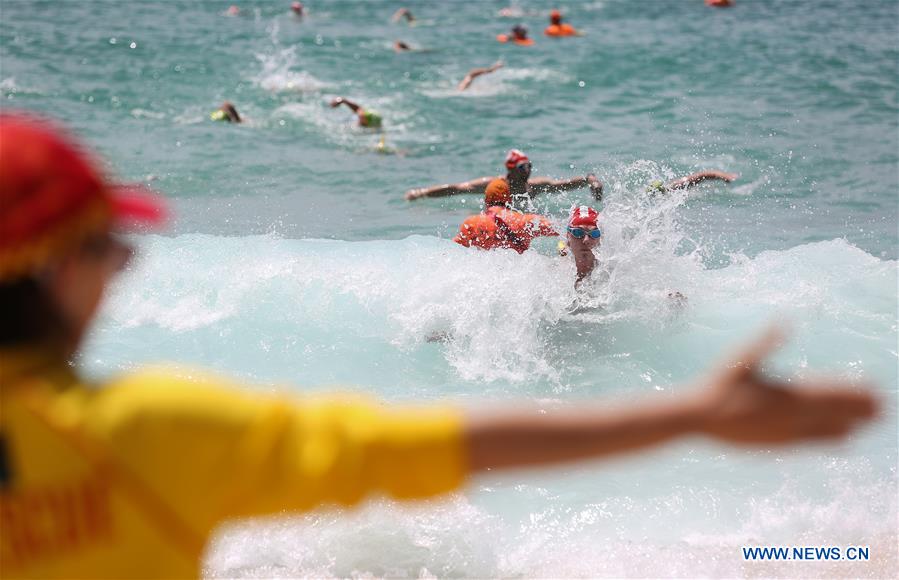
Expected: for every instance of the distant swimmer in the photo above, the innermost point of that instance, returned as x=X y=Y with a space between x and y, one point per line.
x=476 y=72
x=232 y=11
x=558 y=28
x=403 y=13
x=500 y=226
x=719 y=3
x=519 y=180
x=297 y=8
x=227 y=113
x=367 y=118
x=583 y=236
x=658 y=186
x=518 y=36
x=400 y=46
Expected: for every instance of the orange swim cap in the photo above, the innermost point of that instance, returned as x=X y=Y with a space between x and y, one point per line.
x=497 y=193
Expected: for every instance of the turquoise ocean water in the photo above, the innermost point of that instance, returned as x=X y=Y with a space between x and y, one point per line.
x=294 y=258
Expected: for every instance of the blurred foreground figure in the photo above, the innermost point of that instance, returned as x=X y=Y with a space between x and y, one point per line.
x=130 y=477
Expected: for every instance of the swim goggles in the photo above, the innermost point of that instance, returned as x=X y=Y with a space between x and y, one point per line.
x=580 y=233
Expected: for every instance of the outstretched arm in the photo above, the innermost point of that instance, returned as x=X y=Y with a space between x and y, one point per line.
x=735 y=404
x=550 y=185
x=342 y=101
x=475 y=73
x=691 y=180
x=474 y=186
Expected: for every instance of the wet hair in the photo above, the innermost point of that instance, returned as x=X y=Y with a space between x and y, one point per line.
x=27 y=315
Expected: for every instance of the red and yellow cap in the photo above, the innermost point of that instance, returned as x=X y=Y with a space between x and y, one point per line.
x=497 y=192
x=52 y=196
x=514 y=158
x=583 y=216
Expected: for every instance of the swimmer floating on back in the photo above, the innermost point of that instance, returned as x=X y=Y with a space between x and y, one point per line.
x=227 y=113
x=367 y=118
x=518 y=36
x=558 y=28
x=476 y=72
x=658 y=186
x=519 y=180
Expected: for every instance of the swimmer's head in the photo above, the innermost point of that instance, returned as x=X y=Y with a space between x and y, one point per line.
x=518 y=164
x=232 y=10
x=656 y=186
x=497 y=193
x=583 y=227
x=297 y=8
x=555 y=17
x=520 y=31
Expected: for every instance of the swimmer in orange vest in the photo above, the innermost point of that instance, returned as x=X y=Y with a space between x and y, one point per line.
x=500 y=226
x=130 y=476
x=558 y=28
x=518 y=178
x=658 y=186
x=476 y=72
x=518 y=36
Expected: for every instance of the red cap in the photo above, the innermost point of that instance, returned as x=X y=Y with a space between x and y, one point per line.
x=52 y=196
x=583 y=216
x=515 y=158
x=555 y=17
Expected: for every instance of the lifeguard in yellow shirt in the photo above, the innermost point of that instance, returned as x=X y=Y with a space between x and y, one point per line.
x=128 y=478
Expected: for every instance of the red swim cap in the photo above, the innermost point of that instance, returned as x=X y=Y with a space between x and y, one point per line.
x=555 y=17
x=52 y=197
x=515 y=158
x=583 y=216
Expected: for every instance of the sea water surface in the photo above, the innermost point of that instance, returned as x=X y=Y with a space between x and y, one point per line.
x=294 y=260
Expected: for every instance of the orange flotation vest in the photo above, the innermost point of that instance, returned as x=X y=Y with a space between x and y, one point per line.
x=719 y=3
x=498 y=227
x=560 y=30
x=518 y=41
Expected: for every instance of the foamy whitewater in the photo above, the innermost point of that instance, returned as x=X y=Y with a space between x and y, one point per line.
x=294 y=262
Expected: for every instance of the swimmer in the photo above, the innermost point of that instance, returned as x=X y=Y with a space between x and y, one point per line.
x=518 y=178
x=227 y=113
x=658 y=186
x=558 y=28
x=400 y=46
x=582 y=236
x=232 y=11
x=367 y=118
x=476 y=72
x=518 y=36
x=500 y=226
x=403 y=13
x=719 y=3
x=297 y=8
x=132 y=475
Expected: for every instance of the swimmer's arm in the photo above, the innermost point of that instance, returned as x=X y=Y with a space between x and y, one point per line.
x=342 y=101
x=735 y=404
x=474 y=186
x=475 y=73
x=550 y=185
x=691 y=180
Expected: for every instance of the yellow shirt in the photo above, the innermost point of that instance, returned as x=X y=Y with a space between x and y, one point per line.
x=128 y=479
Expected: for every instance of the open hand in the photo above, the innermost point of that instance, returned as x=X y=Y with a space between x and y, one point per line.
x=742 y=406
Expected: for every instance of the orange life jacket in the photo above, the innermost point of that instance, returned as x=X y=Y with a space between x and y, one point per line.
x=498 y=227
x=560 y=30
